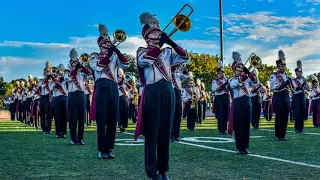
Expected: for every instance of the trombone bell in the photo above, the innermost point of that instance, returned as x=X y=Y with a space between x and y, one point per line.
x=180 y=21
x=119 y=36
x=185 y=25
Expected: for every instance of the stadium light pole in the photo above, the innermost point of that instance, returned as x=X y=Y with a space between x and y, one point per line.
x=221 y=32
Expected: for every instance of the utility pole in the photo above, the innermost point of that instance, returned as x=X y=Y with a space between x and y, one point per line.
x=221 y=32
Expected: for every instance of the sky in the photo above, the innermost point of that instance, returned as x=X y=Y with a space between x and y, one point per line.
x=35 y=31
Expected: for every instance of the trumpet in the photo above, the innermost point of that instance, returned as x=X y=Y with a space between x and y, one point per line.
x=181 y=22
x=254 y=61
x=119 y=36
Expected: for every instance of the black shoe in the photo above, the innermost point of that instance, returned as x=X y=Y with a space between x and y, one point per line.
x=81 y=142
x=110 y=155
x=74 y=143
x=102 y=155
x=154 y=176
x=177 y=139
x=316 y=126
x=164 y=177
x=277 y=139
x=284 y=139
x=246 y=152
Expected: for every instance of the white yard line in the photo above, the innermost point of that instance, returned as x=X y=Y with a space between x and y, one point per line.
x=291 y=132
x=253 y=155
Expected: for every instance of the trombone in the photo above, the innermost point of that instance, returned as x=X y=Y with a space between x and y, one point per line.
x=119 y=36
x=128 y=76
x=181 y=22
x=254 y=61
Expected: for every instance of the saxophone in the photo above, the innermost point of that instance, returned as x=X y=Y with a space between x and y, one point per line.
x=194 y=100
x=135 y=97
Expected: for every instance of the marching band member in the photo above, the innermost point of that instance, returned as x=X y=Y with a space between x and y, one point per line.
x=76 y=99
x=105 y=101
x=87 y=92
x=306 y=112
x=299 y=85
x=20 y=101
x=204 y=96
x=240 y=86
x=134 y=100
x=315 y=94
x=59 y=102
x=190 y=96
x=255 y=96
x=267 y=103
x=221 y=99
x=15 y=92
x=178 y=76
x=158 y=98
x=200 y=104
x=124 y=90
x=10 y=103
x=279 y=82
x=24 y=105
x=30 y=93
x=44 y=85
x=291 y=107
x=35 y=107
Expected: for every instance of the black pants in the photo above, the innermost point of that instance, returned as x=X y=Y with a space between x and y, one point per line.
x=200 y=112
x=299 y=106
x=191 y=116
x=20 y=112
x=175 y=133
x=241 y=122
x=76 y=114
x=36 y=113
x=158 y=112
x=107 y=113
x=24 y=111
x=281 y=108
x=315 y=106
x=267 y=110
x=87 y=109
x=222 y=105
x=59 y=105
x=12 y=110
x=306 y=111
x=45 y=113
x=28 y=109
x=256 y=110
x=204 y=109
x=123 y=112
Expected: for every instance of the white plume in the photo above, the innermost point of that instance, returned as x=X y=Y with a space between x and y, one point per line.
x=236 y=57
x=103 y=30
x=120 y=72
x=73 y=53
x=147 y=18
x=61 y=67
x=281 y=55
x=268 y=84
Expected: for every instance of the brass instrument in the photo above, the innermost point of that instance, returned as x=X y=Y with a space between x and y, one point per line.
x=54 y=71
x=128 y=76
x=254 y=61
x=181 y=22
x=119 y=36
x=194 y=100
x=85 y=59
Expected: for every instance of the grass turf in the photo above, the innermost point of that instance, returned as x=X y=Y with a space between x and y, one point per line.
x=28 y=154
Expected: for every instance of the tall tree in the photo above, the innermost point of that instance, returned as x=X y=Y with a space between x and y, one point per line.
x=133 y=64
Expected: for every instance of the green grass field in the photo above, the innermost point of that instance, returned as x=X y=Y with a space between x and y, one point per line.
x=28 y=154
